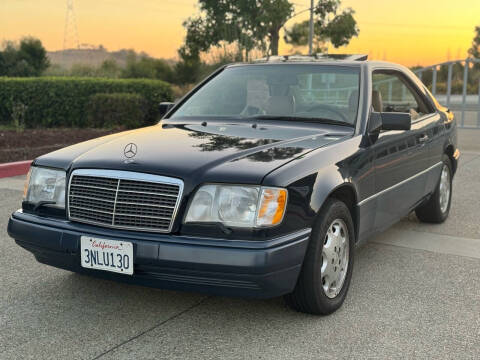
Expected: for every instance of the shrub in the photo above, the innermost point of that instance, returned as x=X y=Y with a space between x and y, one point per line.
x=82 y=70
x=62 y=102
x=457 y=88
x=18 y=116
x=180 y=91
x=147 y=68
x=116 y=110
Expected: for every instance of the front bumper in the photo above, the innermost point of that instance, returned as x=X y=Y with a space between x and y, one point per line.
x=260 y=269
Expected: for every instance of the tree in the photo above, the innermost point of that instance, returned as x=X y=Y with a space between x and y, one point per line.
x=3 y=70
x=29 y=58
x=329 y=26
x=249 y=24
x=188 y=69
x=268 y=18
x=10 y=58
x=32 y=51
x=474 y=51
x=109 y=69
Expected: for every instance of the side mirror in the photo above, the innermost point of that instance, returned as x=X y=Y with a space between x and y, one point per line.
x=164 y=108
x=389 y=121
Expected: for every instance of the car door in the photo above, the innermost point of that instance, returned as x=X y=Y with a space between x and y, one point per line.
x=434 y=128
x=401 y=157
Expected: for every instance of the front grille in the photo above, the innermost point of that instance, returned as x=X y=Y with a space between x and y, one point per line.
x=123 y=199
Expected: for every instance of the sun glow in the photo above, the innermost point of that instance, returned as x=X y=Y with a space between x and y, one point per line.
x=411 y=32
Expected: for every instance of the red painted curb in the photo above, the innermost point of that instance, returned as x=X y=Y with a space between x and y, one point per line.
x=14 y=168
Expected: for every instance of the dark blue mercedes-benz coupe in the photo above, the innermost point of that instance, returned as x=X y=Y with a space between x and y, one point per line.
x=260 y=182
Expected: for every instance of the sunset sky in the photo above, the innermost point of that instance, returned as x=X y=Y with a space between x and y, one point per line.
x=410 y=32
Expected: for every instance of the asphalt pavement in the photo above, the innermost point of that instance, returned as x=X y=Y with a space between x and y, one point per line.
x=415 y=293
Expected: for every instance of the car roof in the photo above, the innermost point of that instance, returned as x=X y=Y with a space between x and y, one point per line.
x=320 y=59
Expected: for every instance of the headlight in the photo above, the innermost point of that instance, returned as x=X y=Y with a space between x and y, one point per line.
x=238 y=206
x=46 y=185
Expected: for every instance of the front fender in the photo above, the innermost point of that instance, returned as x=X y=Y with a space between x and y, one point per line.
x=320 y=173
x=328 y=181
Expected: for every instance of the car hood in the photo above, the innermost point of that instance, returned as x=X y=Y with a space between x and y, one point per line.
x=230 y=152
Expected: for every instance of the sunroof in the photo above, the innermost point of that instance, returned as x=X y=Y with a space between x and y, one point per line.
x=314 y=57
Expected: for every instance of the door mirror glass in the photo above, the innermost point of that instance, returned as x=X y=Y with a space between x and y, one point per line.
x=164 y=108
x=396 y=121
x=389 y=121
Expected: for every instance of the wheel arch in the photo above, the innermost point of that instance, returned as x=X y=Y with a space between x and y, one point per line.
x=450 y=151
x=346 y=193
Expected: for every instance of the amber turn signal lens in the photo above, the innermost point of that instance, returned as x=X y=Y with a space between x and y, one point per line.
x=273 y=202
x=27 y=183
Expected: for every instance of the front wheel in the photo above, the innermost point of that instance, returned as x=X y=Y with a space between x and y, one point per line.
x=327 y=269
x=436 y=209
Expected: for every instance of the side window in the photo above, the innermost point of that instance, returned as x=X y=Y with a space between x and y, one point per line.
x=393 y=93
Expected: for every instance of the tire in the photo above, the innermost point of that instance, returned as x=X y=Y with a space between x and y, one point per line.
x=435 y=210
x=314 y=282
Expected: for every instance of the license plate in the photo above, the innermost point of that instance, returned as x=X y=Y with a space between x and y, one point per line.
x=108 y=255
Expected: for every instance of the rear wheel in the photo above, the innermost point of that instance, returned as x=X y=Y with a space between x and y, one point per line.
x=436 y=209
x=327 y=269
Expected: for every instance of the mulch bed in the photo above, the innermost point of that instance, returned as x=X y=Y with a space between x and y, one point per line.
x=31 y=143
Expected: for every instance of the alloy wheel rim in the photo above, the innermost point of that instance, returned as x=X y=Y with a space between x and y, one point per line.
x=335 y=257
x=444 y=189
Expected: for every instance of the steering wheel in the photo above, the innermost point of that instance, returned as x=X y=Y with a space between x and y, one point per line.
x=329 y=108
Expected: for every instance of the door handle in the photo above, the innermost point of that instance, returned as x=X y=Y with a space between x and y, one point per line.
x=423 y=138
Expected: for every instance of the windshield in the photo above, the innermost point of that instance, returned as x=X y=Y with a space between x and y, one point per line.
x=296 y=92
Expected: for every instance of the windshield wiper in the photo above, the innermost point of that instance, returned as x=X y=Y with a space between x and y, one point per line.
x=300 y=119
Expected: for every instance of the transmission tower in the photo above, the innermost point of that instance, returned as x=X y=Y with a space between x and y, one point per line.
x=70 y=37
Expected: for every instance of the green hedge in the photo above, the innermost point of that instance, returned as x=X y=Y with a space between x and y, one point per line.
x=116 y=110
x=63 y=102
